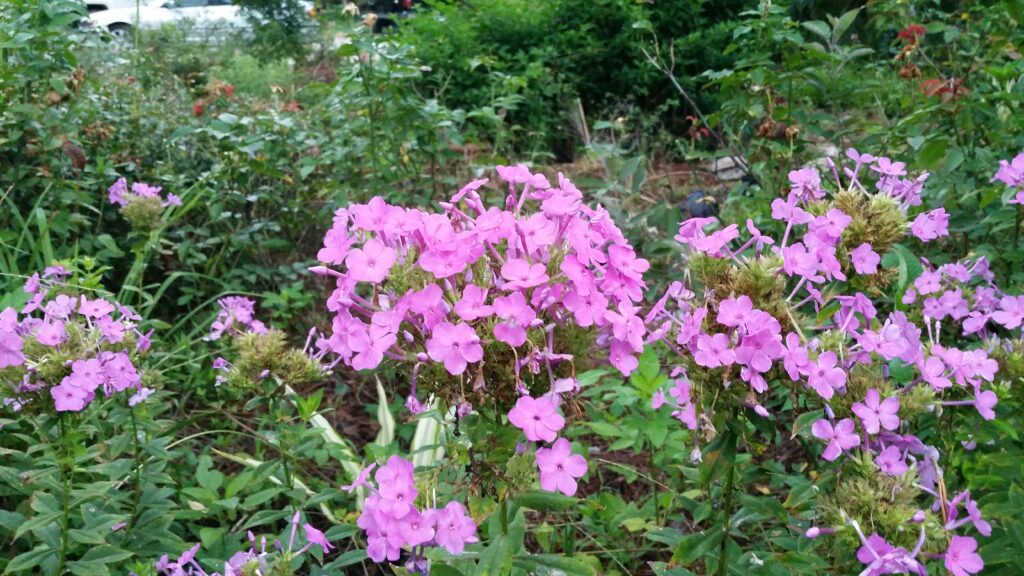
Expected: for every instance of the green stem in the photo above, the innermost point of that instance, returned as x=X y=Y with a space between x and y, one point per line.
x=504 y=515
x=65 y=481
x=723 y=550
x=137 y=496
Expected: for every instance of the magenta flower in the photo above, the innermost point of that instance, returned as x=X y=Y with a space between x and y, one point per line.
x=587 y=308
x=891 y=461
x=713 y=351
x=472 y=305
x=454 y=528
x=371 y=263
x=10 y=349
x=417 y=528
x=734 y=311
x=841 y=437
x=69 y=398
x=887 y=167
x=824 y=376
x=521 y=275
x=984 y=402
x=806 y=184
x=875 y=412
x=559 y=467
x=865 y=260
x=456 y=345
x=930 y=225
x=538 y=418
x=316 y=537
x=961 y=557
x=1011 y=312
x=95 y=308
x=517 y=316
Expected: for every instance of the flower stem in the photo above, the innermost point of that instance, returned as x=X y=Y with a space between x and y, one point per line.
x=723 y=549
x=137 y=496
x=65 y=481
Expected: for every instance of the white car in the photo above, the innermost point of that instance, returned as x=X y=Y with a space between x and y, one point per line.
x=202 y=17
x=97 y=5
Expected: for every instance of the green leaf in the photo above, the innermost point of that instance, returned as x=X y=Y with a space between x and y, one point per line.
x=605 y=428
x=29 y=559
x=546 y=501
x=347 y=559
x=437 y=569
x=819 y=28
x=552 y=564
x=932 y=152
x=843 y=24
x=106 y=554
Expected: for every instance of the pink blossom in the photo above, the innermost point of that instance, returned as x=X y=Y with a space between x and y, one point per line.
x=517 y=316
x=454 y=528
x=538 y=418
x=560 y=468
x=734 y=311
x=521 y=275
x=961 y=557
x=891 y=461
x=865 y=260
x=875 y=412
x=930 y=225
x=1011 y=312
x=371 y=263
x=471 y=306
x=10 y=349
x=985 y=402
x=824 y=376
x=841 y=437
x=454 y=345
x=713 y=351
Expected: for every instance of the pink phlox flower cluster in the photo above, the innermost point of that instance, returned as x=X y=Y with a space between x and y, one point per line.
x=419 y=286
x=539 y=419
x=105 y=362
x=237 y=315
x=119 y=194
x=1011 y=173
x=392 y=521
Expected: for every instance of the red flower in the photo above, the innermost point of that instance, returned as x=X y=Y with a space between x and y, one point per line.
x=911 y=33
x=197 y=109
x=229 y=90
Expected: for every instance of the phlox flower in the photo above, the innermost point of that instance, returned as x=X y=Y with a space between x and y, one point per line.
x=875 y=412
x=371 y=263
x=891 y=461
x=864 y=259
x=454 y=528
x=962 y=558
x=841 y=437
x=471 y=306
x=456 y=345
x=714 y=351
x=521 y=274
x=930 y=225
x=560 y=468
x=516 y=315
x=538 y=418
x=824 y=376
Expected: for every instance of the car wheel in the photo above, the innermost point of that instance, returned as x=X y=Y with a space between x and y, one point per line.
x=121 y=32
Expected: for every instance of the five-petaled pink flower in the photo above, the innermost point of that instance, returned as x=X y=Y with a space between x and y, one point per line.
x=865 y=260
x=520 y=274
x=962 y=557
x=538 y=418
x=875 y=412
x=824 y=376
x=841 y=437
x=371 y=263
x=559 y=467
x=457 y=345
